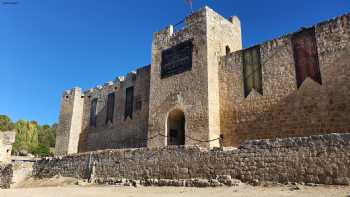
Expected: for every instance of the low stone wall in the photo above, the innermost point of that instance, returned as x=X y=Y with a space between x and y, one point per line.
x=323 y=159
x=6 y=173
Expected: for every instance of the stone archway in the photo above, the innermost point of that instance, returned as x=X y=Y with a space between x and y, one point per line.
x=176 y=128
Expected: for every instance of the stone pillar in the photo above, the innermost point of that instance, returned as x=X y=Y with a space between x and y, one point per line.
x=222 y=34
x=70 y=122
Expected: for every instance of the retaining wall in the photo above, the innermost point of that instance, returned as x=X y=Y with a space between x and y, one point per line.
x=6 y=173
x=323 y=159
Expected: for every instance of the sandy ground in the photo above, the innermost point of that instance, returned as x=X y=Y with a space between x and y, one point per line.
x=65 y=187
x=109 y=191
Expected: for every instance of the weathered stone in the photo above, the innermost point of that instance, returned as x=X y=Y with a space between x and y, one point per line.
x=6 y=174
x=255 y=162
x=7 y=138
x=210 y=93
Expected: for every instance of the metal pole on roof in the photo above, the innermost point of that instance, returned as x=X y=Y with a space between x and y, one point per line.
x=189 y=2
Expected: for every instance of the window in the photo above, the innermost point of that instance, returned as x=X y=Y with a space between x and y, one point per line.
x=93 y=115
x=110 y=107
x=129 y=100
x=305 y=56
x=252 y=73
x=228 y=50
x=177 y=59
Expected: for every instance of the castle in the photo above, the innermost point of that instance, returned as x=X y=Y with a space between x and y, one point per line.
x=203 y=89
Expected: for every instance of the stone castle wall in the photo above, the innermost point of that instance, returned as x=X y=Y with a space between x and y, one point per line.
x=76 y=134
x=321 y=159
x=122 y=132
x=7 y=138
x=185 y=91
x=6 y=174
x=195 y=92
x=284 y=110
x=70 y=122
x=222 y=35
x=211 y=93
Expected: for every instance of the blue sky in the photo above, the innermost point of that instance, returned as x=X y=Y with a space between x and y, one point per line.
x=47 y=46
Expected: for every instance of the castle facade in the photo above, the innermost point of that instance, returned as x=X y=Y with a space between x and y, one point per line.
x=203 y=89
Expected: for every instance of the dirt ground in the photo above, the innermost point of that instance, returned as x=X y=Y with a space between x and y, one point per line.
x=109 y=191
x=66 y=188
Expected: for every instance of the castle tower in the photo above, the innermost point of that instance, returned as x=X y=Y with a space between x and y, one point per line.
x=184 y=89
x=70 y=122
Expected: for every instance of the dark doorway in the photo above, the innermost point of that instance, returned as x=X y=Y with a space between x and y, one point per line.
x=176 y=128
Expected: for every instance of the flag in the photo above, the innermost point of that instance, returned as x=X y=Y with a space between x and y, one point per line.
x=189 y=2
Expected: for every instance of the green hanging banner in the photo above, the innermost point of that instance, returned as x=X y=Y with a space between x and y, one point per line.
x=252 y=73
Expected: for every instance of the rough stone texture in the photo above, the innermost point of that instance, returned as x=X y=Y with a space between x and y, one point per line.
x=321 y=159
x=7 y=138
x=70 y=122
x=6 y=174
x=211 y=94
x=122 y=133
x=75 y=133
x=284 y=110
x=194 y=92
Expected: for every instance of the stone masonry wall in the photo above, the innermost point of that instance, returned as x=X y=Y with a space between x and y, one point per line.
x=186 y=91
x=321 y=159
x=7 y=138
x=6 y=174
x=222 y=35
x=122 y=133
x=195 y=92
x=284 y=110
x=70 y=122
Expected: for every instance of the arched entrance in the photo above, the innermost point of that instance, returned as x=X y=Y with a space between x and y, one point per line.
x=176 y=128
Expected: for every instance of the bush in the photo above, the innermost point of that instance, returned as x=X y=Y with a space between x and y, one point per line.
x=42 y=151
x=33 y=138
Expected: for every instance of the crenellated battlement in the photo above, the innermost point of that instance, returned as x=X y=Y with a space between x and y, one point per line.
x=117 y=83
x=194 y=24
x=336 y=24
x=69 y=95
x=204 y=89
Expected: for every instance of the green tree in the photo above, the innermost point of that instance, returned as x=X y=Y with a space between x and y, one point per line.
x=31 y=137
x=47 y=135
x=26 y=136
x=5 y=123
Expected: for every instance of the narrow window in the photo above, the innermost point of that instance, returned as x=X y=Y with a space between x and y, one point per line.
x=228 y=50
x=110 y=107
x=305 y=56
x=252 y=73
x=129 y=98
x=93 y=115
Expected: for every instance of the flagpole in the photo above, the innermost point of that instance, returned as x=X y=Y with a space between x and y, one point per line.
x=190 y=4
x=191 y=7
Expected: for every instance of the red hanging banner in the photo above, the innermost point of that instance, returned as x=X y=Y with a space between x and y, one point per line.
x=306 y=56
